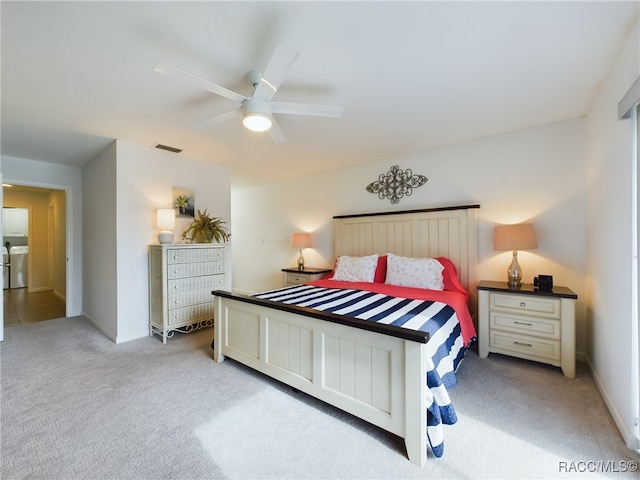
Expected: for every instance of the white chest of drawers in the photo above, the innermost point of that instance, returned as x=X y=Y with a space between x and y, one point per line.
x=181 y=279
x=527 y=323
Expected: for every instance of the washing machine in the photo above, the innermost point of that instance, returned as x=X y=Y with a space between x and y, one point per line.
x=19 y=259
x=5 y=268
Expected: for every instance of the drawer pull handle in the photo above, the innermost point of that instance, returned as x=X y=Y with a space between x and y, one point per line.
x=522 y=323
x=523 y=344
x=522 y=304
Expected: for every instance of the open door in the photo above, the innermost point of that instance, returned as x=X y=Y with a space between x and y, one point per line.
x=44 y=267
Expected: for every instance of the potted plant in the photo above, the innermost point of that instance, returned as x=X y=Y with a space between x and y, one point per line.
x=205 y=229
x=182 y=203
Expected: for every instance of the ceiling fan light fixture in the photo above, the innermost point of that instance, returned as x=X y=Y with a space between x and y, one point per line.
x=257 y=122
x=257 y=114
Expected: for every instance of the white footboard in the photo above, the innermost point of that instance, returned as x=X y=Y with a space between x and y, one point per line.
x=377 y=377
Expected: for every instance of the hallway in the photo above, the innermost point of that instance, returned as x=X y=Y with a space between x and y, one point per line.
x=22 y=307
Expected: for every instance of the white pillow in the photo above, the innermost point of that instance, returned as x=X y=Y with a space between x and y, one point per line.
x=356 y=269
x=414 y=272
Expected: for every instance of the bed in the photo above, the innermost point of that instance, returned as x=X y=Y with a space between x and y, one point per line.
x=380 y=371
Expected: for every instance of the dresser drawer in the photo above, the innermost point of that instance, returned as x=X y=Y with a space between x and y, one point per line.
x=190 y=314
x=208 y=282
x=520 y=345
x=192 y=297
x=186 y=255
x=540 y=327
x=526 y=305
x=184 y=270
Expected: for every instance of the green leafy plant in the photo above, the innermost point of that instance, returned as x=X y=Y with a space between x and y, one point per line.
x=205 y=229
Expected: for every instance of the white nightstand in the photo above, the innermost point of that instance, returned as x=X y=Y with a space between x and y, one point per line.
x=293 y=276
x=528 y=323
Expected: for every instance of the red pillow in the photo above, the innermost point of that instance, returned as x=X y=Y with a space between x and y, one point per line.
x=381 y=270
x=450 y=276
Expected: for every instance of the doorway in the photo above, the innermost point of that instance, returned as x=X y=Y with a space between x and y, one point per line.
x=36 y=286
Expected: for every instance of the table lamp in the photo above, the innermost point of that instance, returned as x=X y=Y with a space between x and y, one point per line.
x=300 y=241
x=514 y=237
x=165 y=221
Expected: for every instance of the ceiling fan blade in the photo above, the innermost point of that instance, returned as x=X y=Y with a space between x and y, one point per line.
x=276 y=133
x=237 y=113
x=307 y=109
x=175 y=72
x=275 y=71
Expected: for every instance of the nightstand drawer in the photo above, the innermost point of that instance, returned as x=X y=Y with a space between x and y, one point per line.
x=297 y=278
x=526 y=305
x=540 y=327
x=502 y=342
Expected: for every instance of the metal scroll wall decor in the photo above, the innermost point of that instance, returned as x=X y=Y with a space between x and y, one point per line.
x=396 y=183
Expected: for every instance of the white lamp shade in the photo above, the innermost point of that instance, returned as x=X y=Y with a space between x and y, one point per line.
x=514 y=237
x=301 y=240
x=166 y=218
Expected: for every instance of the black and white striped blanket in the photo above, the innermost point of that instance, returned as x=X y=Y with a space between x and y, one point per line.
x=445 y=348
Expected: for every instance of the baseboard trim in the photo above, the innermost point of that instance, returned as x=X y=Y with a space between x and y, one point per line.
x=630 y=439
x=133 y=336
x=99 y=327
x=116 y=338
x=38 y=289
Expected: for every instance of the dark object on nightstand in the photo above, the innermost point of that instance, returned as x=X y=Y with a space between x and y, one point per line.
x=543 y=282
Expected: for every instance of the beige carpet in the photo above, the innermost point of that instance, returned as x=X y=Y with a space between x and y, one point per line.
x=77 y=406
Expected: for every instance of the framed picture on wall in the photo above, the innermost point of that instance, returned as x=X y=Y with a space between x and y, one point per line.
x=183 y=202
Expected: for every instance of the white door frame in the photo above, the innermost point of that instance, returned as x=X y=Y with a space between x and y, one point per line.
x=69 y=246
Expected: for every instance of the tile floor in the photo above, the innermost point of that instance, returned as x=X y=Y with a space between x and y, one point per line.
x=22 y=307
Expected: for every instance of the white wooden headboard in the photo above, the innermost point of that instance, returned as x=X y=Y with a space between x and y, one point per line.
x=450 y=232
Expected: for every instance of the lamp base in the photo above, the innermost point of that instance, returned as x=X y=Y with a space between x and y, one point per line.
x=514 y=273
x=300 y=261
x=165 y=236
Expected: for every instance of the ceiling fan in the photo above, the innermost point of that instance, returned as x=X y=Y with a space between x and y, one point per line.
x=257 y=110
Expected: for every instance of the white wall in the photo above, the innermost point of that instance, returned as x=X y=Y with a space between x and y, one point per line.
x=48 y=175
x=99 y=219
x=610 y=254
x=535 y=175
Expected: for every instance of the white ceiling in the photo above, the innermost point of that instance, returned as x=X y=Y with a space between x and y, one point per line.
x=411 y=76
